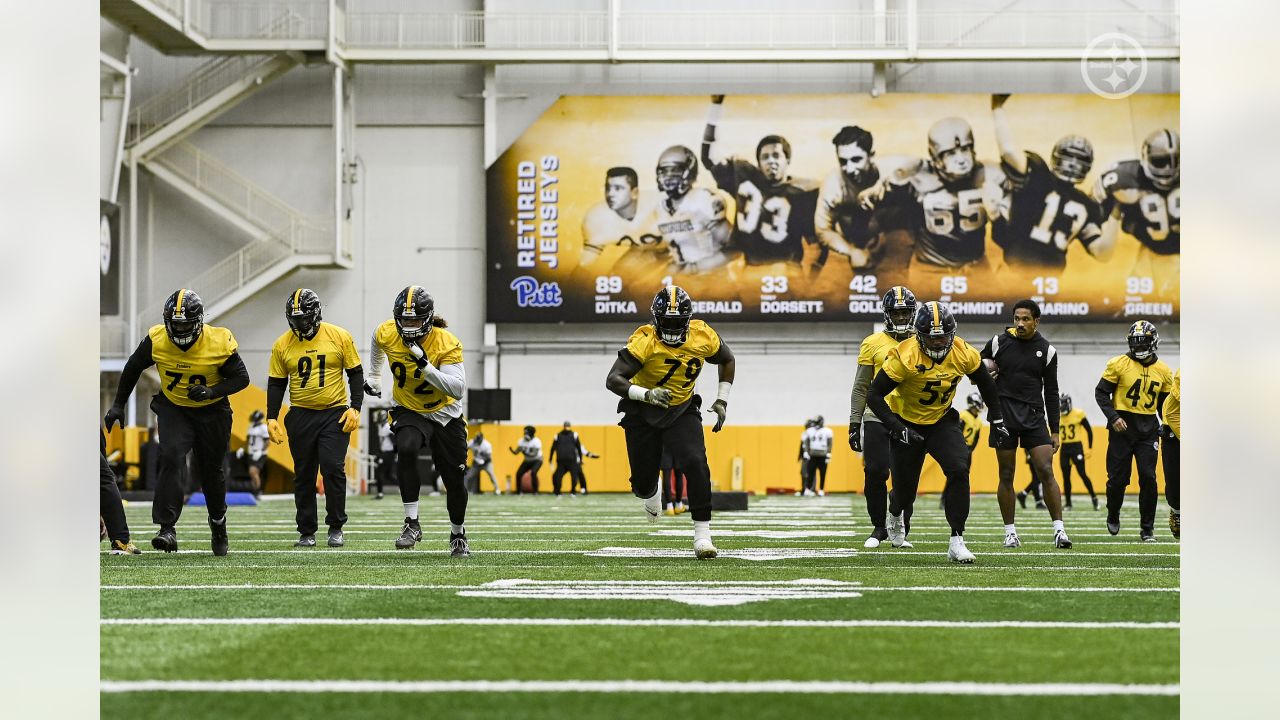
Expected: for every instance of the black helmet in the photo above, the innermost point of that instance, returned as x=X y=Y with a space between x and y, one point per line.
x=676 y=171
x=1064 y=403
x=529 y=431
x=672 y=310
x=935 y=330
x=302 y=312
x=184 y=317
x=414 y=311
x=255 y=416
x=1072 y=158
x=1143 y=339
x=819 y=421
x=901 y=301
x=975 y=401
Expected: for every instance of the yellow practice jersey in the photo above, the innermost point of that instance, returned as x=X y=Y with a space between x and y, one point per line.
x=925 y=388
x=971 y=426
x=1138 y=386
x=673 y=368
x=1173 y=406
x=411 y=390
x=315 y=367
x=197 y=365
x=1071 y=427
x=875 y=348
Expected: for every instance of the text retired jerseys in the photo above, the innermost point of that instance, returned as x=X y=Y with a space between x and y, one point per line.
x=199 y=364
x=673 y=368
x=315 y=367
x=926 y=387
x=409 y=389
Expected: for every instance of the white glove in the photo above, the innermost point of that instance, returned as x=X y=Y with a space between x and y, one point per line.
x=373 y=387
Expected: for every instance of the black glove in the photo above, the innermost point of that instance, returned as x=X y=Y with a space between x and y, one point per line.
x=1001 y=432
x=199 y=392
x=907 y=436
x=720 y=408
x=113 y=416
x=374 y=390
x=855 y=437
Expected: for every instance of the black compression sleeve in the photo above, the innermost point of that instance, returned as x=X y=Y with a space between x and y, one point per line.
x=881 y=386
x=1102 y=394
x=990 y=394
x=140 y=360
x=235 y=377
x=275 y=395
x=1052 y=407
x=355 y=383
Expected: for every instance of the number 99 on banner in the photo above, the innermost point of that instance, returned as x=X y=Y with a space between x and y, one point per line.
x=606 y=284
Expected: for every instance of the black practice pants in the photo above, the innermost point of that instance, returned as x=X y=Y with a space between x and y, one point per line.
x=109 y=505
x=448 y=445
x=575 y=473
x=317 y=442
x=1123 y=449
x=683 y=439
x=877 y=463
x=531 y=467
x=206 y=433
x=1169 y=456
x=944 y=440
x=817 y=467
x=1072 y=455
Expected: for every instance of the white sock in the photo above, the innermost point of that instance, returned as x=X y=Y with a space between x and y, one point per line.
x=1010 y=530
x=1057 y=526
x=411 y=510
x=701 y=529
x=457 y=529
x=957 y=540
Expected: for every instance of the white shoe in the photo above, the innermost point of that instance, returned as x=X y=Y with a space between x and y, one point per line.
x=822 y=493
x=1011 y=540
x=1061 y=541
x=898 y=532
x=703 y=548
x=799 y=493
x=653 y=505
x=957 y=552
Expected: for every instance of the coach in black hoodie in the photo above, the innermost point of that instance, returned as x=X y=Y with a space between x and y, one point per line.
x=1026 y=372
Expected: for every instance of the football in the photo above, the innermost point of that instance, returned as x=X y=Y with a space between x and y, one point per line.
x=992 y=367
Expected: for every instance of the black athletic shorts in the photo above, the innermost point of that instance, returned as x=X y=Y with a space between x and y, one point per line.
x=1026 y=425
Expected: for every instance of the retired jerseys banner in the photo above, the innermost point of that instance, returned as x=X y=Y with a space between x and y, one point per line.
x=811 y=207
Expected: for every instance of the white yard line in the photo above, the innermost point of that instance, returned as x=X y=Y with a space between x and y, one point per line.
x=652 y=622
x=126 y=565
x=635 y=686
x=584 y=551
x=859 y=588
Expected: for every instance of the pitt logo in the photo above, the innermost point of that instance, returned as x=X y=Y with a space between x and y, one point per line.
x=531 y=293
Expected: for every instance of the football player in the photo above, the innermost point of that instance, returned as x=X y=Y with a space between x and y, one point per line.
x=621 y=232
x=951 y=197
x=531 y=448
x=691 y=220
x=775 y=210
x=1131 y=393
x=1028 y=384
x=1043 y=210
x=1073 y=426
x=1170 y=451
x=308 y=360
x=199 y=366
x=655 y=375
x=428 y=378
x=257 y=438
x=1143 y=197
x=803 y=457
x=867 y=434
x=110 y=508
x=971 y=420
x=925 y=372
x=817 y=450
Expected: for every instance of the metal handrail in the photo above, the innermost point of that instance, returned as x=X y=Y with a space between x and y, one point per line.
x=208 y=80
x=261 y=19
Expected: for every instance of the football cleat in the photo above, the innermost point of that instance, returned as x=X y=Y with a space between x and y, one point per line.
x=1041 y=506
x=878 y=536
x=653 y=505
x=306 y=541
x=897 y=532
x=1175 y=523
x=124 y=548
x=458 y=545
x=670 y=511
x=958 y=553
x=1022 y=500
x=1061 y=541
x=703 y=548
x=1011 y=540
x=1067 y=507
x=166 y=540
x=1095 y=502
x=410 y=534
x=1148 y=536
x=1113 y=526
x=218 y=541
x=336 y=539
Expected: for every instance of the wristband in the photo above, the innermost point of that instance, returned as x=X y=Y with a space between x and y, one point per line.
x=635 y=392
x=722 y=392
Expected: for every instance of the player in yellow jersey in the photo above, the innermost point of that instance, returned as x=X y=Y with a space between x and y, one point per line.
x=1072 y=430
x=869 y=436
x=1170 y=452
x=971 y=420
x=655 y=375
x=925 y=372
x=309 y=360
x=1131 y=393
x=199 y=367
x=428 y=380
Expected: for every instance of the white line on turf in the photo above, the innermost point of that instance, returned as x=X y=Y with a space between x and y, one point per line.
x=585 y=551
x=653 y=622
x=635 y=686
x=374 y=586
x=126 y=565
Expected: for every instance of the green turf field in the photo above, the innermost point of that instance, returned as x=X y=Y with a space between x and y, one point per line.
x=578 y=607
